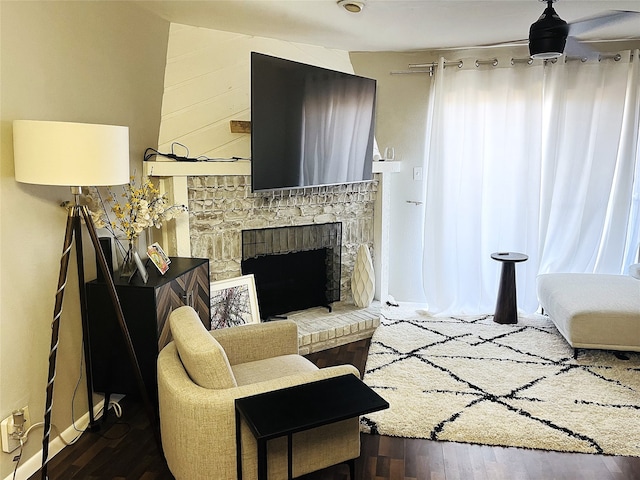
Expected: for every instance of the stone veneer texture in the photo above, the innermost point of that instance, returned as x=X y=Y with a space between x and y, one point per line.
x=222 y=206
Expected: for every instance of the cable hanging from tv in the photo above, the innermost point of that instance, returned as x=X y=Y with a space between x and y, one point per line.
x=149 y=153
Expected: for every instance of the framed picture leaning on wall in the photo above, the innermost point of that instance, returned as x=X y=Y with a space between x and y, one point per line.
x=234 y=302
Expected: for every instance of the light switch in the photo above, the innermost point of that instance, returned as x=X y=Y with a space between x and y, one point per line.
x=417 y=173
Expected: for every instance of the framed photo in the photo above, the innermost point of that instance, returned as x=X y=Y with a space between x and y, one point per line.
x=158 y=257
x=234 y=302
x=141 y=268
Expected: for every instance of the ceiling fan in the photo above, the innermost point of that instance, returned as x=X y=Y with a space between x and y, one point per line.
x=549 y=34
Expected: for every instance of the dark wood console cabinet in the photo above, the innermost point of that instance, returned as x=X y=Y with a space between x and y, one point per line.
x=146 y=309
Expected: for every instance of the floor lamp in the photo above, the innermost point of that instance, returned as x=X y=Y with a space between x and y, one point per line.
x=76 y=155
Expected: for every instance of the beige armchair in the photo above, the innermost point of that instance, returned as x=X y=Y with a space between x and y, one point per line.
x=201 y=373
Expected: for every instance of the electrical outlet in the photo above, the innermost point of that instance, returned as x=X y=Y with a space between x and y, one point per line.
x=9 y=431
x=417 y=173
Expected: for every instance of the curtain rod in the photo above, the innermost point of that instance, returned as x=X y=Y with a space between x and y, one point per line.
x=616 y=57
x=429 y=68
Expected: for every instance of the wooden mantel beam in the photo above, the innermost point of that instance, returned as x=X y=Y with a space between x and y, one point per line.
x=240 y=126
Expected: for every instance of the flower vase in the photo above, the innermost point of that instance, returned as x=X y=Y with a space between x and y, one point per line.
x=128 y=264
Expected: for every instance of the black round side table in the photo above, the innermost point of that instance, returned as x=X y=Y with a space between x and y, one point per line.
x=507 y=305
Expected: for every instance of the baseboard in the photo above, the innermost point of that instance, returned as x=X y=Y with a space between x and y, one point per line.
x=31 y=465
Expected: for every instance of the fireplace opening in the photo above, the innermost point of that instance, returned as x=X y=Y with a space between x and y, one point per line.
x=289 y=282
x=295 y=268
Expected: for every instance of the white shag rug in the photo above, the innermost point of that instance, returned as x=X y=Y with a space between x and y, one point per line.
x=472 y=380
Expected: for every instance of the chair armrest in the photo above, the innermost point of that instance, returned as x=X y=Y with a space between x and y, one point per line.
x=205 y=419
x=292 y=380
x=251 y=342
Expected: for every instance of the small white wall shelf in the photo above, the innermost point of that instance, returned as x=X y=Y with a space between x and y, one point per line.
x=173 y=168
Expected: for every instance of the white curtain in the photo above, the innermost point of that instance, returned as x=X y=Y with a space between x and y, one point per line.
x=337 y=117
x=533 y=159
x=590 y=159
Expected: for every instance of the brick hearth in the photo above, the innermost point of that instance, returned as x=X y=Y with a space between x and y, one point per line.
x=319 y=329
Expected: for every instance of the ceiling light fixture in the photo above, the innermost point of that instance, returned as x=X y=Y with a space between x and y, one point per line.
x=548 y=35
x=351 y=5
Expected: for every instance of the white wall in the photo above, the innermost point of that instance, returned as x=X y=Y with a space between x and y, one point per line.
x=94 y=62
x=208 y=83
x=401 y=123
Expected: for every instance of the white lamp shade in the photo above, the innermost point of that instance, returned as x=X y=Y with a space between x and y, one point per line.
x=71 y=154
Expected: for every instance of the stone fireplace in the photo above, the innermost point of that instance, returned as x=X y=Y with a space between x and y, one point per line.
x=222 y=207
x=295 y=268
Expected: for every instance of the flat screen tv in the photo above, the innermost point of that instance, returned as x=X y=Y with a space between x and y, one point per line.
x=310 y=126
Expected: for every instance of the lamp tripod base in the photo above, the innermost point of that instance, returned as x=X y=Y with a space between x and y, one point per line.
x=73 y=229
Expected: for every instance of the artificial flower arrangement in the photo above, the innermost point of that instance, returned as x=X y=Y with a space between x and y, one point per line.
x=129 y=214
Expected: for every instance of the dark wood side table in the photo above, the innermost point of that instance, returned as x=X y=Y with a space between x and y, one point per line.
x=295 y=409
x=146 y=308
x=507 y=304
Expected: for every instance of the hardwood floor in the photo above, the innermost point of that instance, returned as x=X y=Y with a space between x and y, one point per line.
x=125 y=449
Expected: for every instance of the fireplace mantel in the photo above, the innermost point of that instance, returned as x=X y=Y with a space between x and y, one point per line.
x=173 y=175
x=160 y=168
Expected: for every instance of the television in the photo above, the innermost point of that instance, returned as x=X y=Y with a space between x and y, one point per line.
x=310 y=126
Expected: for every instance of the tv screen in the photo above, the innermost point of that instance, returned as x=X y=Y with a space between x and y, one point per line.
x=309 y=126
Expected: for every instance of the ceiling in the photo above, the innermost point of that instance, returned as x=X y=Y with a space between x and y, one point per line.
x=389 y=25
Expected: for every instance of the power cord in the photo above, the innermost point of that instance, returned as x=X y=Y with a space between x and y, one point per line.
x=17 y=459
x=152 y=152
x=115 y=405
x=23 y=437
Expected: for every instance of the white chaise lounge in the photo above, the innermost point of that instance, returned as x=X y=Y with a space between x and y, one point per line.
x=593 y=310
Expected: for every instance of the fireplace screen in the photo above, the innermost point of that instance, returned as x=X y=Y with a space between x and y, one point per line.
x=295 y=268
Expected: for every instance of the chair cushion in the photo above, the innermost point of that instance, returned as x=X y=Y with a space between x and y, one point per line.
x=271 y=368
x=202 y=356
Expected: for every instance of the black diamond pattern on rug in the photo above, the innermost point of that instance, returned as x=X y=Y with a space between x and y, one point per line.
x=471 y=380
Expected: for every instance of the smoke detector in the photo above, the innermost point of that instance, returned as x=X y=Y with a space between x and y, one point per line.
x=352 y=6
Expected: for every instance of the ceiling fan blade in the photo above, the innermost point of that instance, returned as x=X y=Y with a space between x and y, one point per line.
x=581 y=26
x=575 y=48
